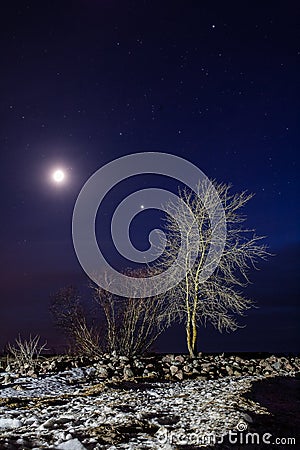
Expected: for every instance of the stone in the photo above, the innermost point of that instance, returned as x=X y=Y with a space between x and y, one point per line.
x=102 y=372
x=64 y=419
x=179 y=358
x=48 y=424
x=247 y=418
x=128 y=373
x=229 y=370
x=72 y=444
x=138 y=364
x=168 y=358
x=7 y=378
x=179 y=375
x=276 y=365
x=153 y=375
x=205 y=367
x=173 y=370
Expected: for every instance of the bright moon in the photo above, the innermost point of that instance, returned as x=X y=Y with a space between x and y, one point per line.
x=58 y=176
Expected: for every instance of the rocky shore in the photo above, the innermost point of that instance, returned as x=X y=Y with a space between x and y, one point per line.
x=159 y=402
x=160 y=367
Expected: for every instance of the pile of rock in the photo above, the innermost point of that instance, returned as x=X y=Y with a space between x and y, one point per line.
x=218 y=366
x=164 y=367
x=180 y=367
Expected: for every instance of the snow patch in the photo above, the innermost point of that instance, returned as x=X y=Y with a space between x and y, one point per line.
x=72 y=444
x=10 y=423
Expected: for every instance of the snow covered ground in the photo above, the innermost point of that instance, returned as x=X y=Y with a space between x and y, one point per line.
x=73 y=410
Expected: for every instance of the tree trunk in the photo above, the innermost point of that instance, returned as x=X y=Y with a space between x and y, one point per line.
x=191 y=338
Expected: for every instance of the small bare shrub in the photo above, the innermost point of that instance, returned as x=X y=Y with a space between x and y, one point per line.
x=69 y=316
x=26 y=353
x=133 y=324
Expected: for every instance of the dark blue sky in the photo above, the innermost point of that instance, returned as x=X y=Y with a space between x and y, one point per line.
x=84 y=82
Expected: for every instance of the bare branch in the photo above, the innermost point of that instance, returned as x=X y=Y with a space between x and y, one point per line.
x=218 y=300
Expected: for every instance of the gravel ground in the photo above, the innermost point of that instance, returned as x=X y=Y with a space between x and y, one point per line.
x=157 y=402
x=72 y=410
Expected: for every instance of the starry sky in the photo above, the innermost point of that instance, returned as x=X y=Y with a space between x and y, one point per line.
x=86 y=81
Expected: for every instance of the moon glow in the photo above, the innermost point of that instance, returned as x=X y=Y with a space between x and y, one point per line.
x=58 y=176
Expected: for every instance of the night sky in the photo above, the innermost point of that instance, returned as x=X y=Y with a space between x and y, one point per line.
x=85 y=82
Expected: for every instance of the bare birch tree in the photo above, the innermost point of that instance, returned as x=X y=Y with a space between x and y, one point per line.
x=219 y=299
